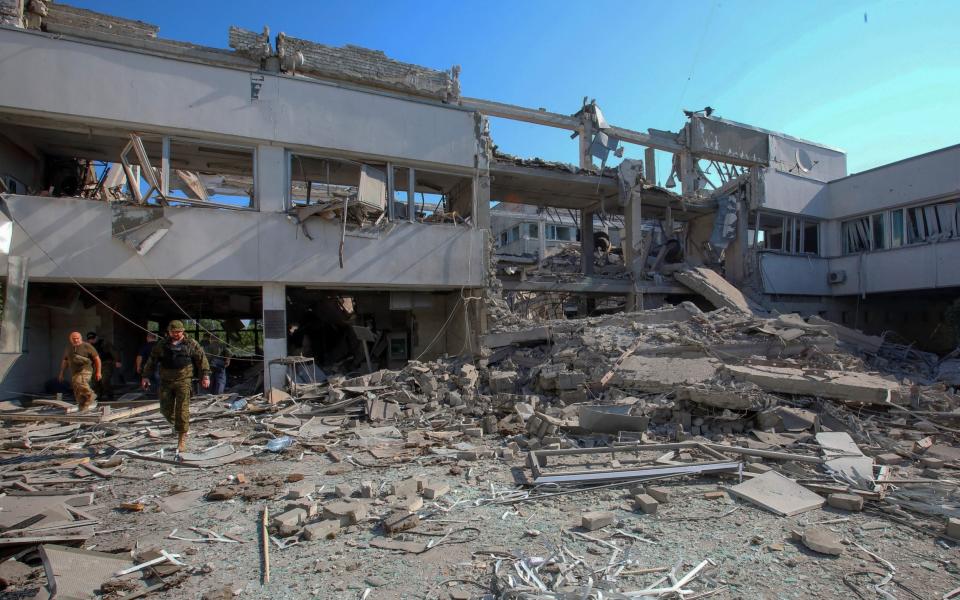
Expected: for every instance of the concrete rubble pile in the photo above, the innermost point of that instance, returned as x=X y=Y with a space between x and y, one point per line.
x=568 y=461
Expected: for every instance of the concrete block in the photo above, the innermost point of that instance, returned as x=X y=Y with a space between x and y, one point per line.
x=321 y=530
x=400 y=520
x=570 y=380
x=368 y=489
x=289 y=522
x=300 y=489
x=660 y=494
x=930 y=462
x=348 y=513
x=435 y=490
x=503 y=382
x=888 y=458
x=405 y=487
x=646 y=503
x=343 y=490
x=591 y=521
x=410 y=503
x=850 y=502
x=310 y=507
x=474 y=432
x=953 y=528
x=823 y=541
x=470 y=455
x=714 y=495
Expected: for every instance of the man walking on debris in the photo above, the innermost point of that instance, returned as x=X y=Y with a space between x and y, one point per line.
x=110 y=359
x=179 y=358
x=84 y=363
x=218 y=354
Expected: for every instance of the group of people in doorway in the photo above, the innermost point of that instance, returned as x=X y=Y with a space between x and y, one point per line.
x=166 y=365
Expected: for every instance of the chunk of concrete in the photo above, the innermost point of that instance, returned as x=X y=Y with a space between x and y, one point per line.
x=300 y=489
x=663 y=374
x=321 y=530
x=343 y=490
x=348 y=513
x=714 y=288
x=929 y=462
x=289 y=522
x=400 y=520
x=778 y=494
x=953 y=528
x=591 y=521
x=848 y=386
x=888 y=458
x=660 y=494
x=822 y=540
x=851 y=502
x=503 y=382
x=435 y=490
x=405 y=487
x=646 y=503
x=536 y=335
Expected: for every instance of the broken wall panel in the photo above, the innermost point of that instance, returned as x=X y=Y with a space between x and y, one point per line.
x=370 y=67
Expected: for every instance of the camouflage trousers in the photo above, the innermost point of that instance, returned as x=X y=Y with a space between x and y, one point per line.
x=80 y=381
x=175 y=403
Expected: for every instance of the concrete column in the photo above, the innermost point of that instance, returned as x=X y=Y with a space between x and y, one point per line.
x=165 y=166
x=586 y=137
x=650 y=165
x=586 y=242
x=481 y=217
x=272 y=178
x=14 y=305
x=411 y=194
x=541 y=239
x=274 y=334
x=632 y=247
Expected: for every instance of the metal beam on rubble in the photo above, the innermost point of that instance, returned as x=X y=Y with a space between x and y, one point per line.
x=513 y=112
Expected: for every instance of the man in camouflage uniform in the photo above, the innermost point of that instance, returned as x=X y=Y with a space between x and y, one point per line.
x=219 y=355
x=179 y=358
x=84 y=363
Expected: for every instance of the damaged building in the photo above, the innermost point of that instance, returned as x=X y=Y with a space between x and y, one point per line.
x=458 y=373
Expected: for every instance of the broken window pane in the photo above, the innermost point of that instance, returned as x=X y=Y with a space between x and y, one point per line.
x=770 y=235
x=533 y=231
x=856 y=236
x=879 y=231
x=811 y=237
x=916 y=225
x=896 y=228
x=210 y=173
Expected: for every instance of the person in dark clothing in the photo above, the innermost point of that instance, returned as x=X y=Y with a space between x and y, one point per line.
x=110 y=359
x=142 y=355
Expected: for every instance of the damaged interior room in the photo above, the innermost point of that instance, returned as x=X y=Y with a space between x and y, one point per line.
x=285 y=315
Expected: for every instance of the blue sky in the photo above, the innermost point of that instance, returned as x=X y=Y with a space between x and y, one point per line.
x=880 y=80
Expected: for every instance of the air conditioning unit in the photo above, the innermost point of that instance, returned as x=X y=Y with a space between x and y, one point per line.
x=835 y=277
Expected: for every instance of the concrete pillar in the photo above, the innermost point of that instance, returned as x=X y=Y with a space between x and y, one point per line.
x=272 y=178
x=650 y=165
x=14 y=305
x=274 y=334
x=481 y=217
x=541 y=239
x=633 y=247
x=586 y=242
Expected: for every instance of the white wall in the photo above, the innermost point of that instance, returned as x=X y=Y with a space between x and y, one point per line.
x=46 y=76
x=926 y=266
x=789 y=193
x=916 y=179
x=210 y=246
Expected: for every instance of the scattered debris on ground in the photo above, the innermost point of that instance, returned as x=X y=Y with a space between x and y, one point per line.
x=657 y=454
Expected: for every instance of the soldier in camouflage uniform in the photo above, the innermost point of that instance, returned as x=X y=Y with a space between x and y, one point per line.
x=84 y=363
x=179 y=358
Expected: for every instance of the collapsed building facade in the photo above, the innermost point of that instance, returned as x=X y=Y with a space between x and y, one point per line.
x=322 y=199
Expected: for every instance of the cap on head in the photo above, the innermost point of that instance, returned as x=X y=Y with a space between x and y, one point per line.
x=91 y=334
x=175 y=326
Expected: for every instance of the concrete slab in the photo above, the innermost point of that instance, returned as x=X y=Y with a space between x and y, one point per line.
x=778 y=494
x=663 y=374
x=847 y=386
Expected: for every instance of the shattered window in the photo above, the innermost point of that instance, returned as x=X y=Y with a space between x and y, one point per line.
x=770 y=232
x=811 y=237
x=896 y=228
x=533 y=230
x=856 y=235
x=211 y=174
x=879 y=239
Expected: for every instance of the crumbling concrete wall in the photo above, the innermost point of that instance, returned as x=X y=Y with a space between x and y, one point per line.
x=250 y=43
x=370 y=67
x=11 y=13
x=69 y=19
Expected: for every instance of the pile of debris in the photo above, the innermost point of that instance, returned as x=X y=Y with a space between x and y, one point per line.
x=620 y=430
